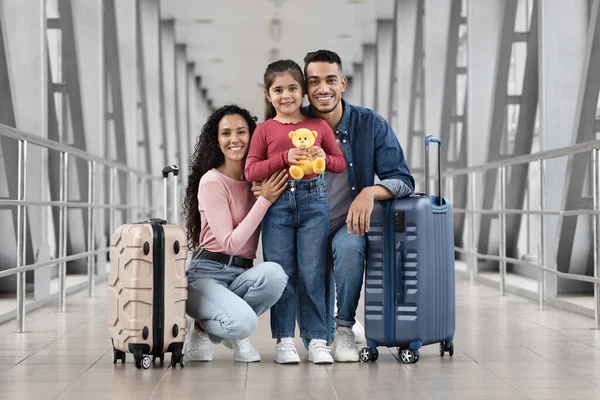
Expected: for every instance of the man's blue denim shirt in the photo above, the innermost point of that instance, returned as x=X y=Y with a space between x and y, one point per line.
x=371 y=148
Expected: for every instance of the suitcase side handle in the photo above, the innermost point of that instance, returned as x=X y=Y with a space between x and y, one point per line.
x=434 y=139
x=166 y=171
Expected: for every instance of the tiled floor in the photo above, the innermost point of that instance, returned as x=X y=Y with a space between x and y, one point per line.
x=505 y=349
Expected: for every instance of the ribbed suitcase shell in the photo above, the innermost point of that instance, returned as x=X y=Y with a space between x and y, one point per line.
x=410 y=285
x=131 y=288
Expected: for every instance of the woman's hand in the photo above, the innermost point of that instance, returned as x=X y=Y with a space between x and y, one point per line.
x=274 y=185
x=316 y=152
x=296 y=155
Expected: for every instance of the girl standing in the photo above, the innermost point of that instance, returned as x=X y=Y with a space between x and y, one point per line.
x=296 y=226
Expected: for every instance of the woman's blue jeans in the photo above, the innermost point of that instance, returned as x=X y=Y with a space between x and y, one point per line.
x=294 y=235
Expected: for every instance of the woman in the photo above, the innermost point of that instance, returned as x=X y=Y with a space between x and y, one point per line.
x=226 y=293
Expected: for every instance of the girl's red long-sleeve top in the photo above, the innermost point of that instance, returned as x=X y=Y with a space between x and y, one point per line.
x=271 y=142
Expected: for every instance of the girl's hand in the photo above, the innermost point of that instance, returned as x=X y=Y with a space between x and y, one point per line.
x=274 y=185
x=316 y=152
x=296 y=155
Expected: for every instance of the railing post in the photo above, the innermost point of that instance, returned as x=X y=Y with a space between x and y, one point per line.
x=91 y=230
x=596 y=244
x=542 y=247
x=502 y=216
x=62 y=232
x=472 y=237
x=21 y=233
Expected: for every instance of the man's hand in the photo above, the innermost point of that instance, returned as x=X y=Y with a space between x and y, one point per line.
x=359 y=214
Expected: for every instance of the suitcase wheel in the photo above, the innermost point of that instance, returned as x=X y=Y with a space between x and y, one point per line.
x=407 y=356
x=369 y=354
x=176 y=358
x=446 y=347
x=118 y=355
x=145 y=362
x=161 y=358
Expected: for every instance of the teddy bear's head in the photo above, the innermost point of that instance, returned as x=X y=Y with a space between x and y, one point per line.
x=303 y=138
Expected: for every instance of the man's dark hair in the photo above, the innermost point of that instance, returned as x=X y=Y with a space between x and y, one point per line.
x=322 y=56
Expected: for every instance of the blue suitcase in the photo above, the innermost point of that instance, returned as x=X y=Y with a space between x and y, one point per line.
x=409 y=283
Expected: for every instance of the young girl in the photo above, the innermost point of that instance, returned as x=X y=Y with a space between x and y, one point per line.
x=296 y=226
x=226 y=291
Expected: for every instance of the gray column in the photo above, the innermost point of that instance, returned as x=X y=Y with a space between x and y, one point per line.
x=383 y=61
x=169 y=85
x=435 y=38
x=150 y=40
x=193 y=116
x=182 y=109
x=369 y=75
x=23 y=26
x=357 y=85
x=574 y=245
x=126 y=33
x=484 y=22
x=406 y=32
x=562 y=44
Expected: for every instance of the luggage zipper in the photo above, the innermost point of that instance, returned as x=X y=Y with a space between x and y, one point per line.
x=159 y=291
x=390 y=248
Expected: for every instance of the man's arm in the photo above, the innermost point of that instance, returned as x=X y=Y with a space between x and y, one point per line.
x=359 y=214
x=395 y=179
x=390 y=163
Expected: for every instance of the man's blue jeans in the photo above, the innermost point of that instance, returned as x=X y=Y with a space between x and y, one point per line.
x=344 y=278
x=294 y=235
x=345 y=270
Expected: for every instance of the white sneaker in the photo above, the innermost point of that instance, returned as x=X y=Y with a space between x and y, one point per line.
x=243 y=351
x=285 y=352
x=345 y=346
x=359 y=332
x=318 y=352
x=197 y=346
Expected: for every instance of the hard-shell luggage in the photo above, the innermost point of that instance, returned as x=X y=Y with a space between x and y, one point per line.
x=147 y=287
x=409 y=283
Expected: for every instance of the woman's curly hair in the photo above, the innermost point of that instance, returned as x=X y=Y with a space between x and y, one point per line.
x=207 y=155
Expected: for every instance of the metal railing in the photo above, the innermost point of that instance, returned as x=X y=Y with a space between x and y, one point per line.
x=542 y=263
x=136 y=181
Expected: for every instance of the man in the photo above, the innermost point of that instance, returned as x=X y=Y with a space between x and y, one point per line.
x=371 y=148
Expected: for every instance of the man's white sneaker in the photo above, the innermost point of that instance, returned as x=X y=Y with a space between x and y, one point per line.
x=318 y=352
x=197 y=346
x=359 y=332
x=243 y=351
x=345 y=346
x=285 y=352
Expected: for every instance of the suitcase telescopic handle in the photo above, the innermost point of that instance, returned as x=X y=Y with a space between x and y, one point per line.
x=428 y=140
x=166 y=171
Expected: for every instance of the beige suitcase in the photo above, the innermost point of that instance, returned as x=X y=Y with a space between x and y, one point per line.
x=147 y=289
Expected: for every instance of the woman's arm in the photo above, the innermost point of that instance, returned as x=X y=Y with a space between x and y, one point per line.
x=218 y=216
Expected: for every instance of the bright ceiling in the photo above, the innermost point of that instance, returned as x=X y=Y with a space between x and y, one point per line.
x=232 y=41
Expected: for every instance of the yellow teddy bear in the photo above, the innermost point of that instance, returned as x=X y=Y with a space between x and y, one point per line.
x=304 y=139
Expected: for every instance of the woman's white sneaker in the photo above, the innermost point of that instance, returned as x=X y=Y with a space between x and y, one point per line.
x=318 y=352
x=285 y=352
x=243 y=350
x=197 y=345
